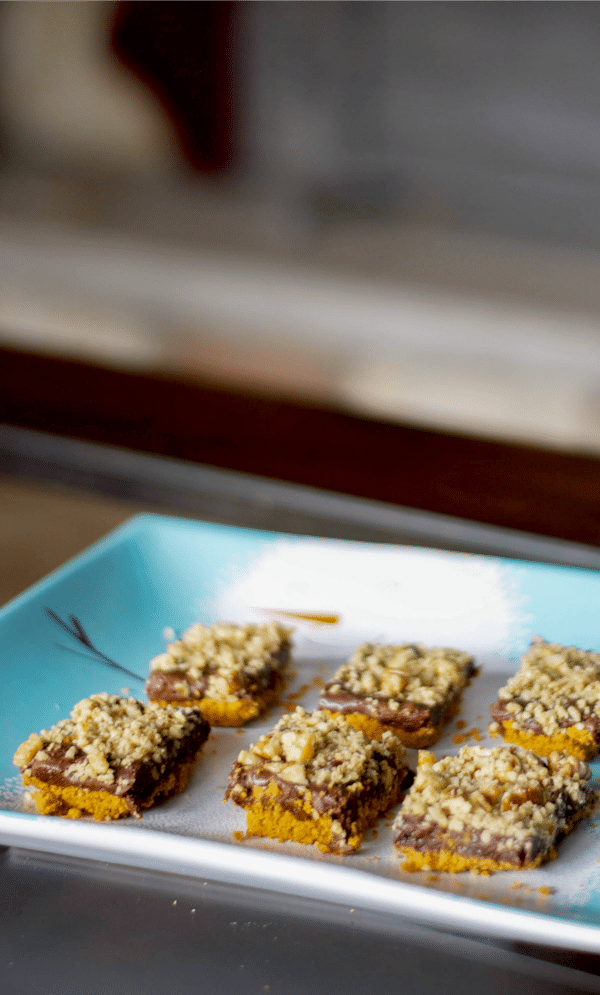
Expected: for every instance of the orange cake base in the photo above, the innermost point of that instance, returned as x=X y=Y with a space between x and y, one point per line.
x=577 y=742
x=295 y=822
x=447 y=860
x=230 y=713
x=418 y=739
x=72 y=803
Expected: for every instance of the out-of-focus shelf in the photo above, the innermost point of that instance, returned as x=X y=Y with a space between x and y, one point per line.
x=516 y=487
x=401 y=319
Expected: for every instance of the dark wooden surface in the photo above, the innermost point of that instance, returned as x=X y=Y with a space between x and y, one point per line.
x=544 y=492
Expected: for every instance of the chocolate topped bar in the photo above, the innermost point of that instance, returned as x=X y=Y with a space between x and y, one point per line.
x=408 y=689
x=232 y=672
x=112 y=758
x=494 y=809
x=552 y=702
x=316 y=779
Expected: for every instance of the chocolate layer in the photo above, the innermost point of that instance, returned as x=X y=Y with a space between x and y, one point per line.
x=162 y=685
x=408 y=715
x=501 y=715
x=343 y=803
x=426 y=837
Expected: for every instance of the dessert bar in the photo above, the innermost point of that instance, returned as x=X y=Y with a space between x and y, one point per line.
x=112 y=758
x=500 y=808
x=409 y=689
x=552 y=702
x=232 y=672
x=316 y=779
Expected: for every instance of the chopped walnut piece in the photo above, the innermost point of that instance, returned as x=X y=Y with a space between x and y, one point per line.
x=27 y=750
x=422 y=676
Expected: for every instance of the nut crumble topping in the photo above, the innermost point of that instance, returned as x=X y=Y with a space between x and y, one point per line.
x=318 y=750
x=408 y=672
x=556 y=686
x=226 y=656
x=503 y=791
x=112 y=732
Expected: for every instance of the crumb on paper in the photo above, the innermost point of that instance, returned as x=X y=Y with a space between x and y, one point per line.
x=238 y=836
x=461 y=724
x=123 y=691
x=473 y=733
x=318 y=682
x=295 y=695
x=175 y=902
x=240 y=732
x=516 y=886
x=352 y=910
x=545 y=889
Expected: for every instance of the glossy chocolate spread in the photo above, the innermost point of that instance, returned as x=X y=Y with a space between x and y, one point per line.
x=408 y=715
x=161 y=685
x=341 y=802
x=428 y=837
x=501 y=714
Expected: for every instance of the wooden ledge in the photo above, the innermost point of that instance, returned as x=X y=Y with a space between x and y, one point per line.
x=519 y=487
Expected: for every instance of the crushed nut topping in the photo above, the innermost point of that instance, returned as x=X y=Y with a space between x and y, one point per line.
x=112 y=732
x=555 y=686
x=227 y=656
x=412 y=673
x=503 y=790
x=321 y=750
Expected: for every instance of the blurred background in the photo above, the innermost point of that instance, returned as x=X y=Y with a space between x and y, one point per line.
x=391 y=209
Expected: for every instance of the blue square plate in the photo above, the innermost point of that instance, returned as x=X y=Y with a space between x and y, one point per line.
x=157 y=573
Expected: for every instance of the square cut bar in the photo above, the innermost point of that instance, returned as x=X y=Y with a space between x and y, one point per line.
x=552 y=702
x=490 y=809
x=409 y=689
x=316 y=779
x=231 y=672
x=112 y=758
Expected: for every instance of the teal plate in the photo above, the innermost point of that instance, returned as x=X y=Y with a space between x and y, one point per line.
x=94 y=624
